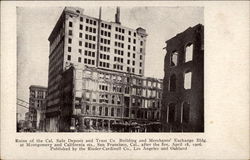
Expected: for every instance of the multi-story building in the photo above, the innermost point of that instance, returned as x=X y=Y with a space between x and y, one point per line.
x=37 y=101
x=100 y=100
x=183 y=84
x=81 y=40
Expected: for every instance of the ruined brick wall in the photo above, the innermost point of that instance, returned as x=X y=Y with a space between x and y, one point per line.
x=178 y=100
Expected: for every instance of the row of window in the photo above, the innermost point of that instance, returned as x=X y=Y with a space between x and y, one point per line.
x=104 y=64
x=145 y=103
x=105 y=49
x=103 y=87
x=121 y=30
x=90 y=37
x=86 y=61
x=90 y=21
x=133 y=62
x=101 y=111
x=145 y=92
x=119 y=44
x=114 y=99
x=187 y=81
x=38 y=94
x=118 y=67
x=100 y=76
x=118 y=29
x=125 y=79
x=134 y=55
x=119 y=52
x=89 y=53
x=103 y=97
x=134 y=48
x=105 y=33
x=118 y=36
x=105 y=41
x=89 y=61
x=131 y=70
x=90 y=29
x=129 y=40
x=89 y=45
x=118 y=59
x=107 y=26
x=104 y=56
x=174 y=58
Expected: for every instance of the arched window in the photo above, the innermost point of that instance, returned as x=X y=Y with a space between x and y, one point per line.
x=171 y=113
x=174 y=58
x=189 y=52
x=187 y=80
x=172 y=83
x=185 y=112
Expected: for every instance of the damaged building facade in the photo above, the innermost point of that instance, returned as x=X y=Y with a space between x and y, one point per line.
x=109 y=101
x=183 y=83
x=96 y=77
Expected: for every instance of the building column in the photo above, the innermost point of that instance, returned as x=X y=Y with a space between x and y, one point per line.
x=109 y=125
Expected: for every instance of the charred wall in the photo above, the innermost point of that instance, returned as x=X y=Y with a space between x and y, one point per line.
x=183 y=84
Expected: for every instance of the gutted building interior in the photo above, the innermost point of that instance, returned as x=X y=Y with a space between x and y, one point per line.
x=183 y=84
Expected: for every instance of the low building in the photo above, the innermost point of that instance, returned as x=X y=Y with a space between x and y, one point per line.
x=183 y=84
x=100 y=100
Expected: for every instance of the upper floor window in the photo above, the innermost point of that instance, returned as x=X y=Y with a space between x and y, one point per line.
x=174 y=58
x=187 y=80
x=69 y=40
x=69 y=49
x=70 y=24
x=81 y=19
x=81 y=27
x=70 y=32
x=189 y=53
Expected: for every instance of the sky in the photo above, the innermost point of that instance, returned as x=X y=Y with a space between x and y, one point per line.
x=34 y=26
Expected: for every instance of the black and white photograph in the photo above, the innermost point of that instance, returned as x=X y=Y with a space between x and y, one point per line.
x=110 y=69
x=126 y=80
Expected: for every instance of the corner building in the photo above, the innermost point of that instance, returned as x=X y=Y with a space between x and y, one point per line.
x=78 y=40
x=183 y=84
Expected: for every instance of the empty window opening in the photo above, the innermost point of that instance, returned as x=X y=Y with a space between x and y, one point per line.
x=187 y=80
x=133 y=114
x=189 y=53
x=138 y=114
x=185 y=112
x=171 y=113
x=100 y=111
x=70 y=24
x=172 y=83
x=174 y=59
x=106 y=111
x=118 y=112
x=112 y=111
x=126 y=112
